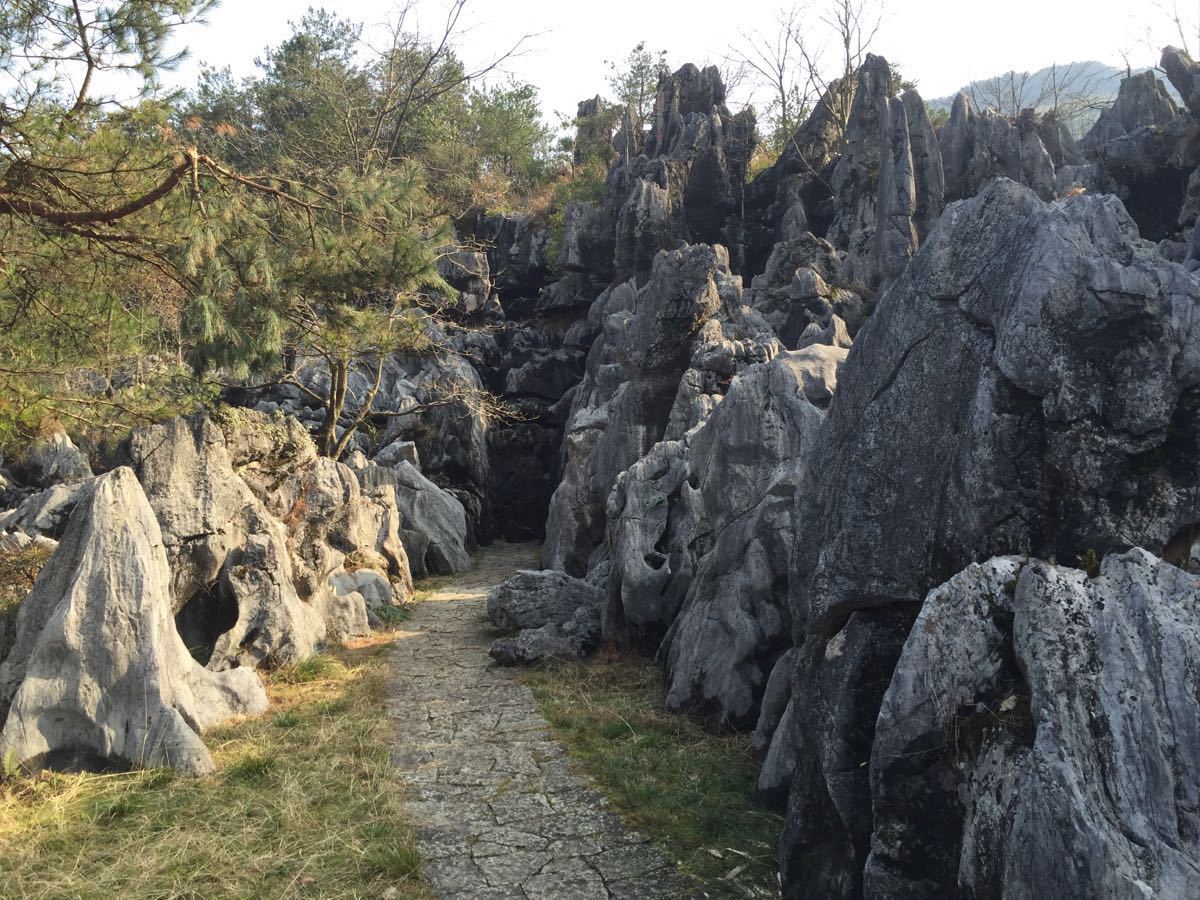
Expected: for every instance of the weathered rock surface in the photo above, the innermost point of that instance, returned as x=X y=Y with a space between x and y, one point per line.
x=1040 y=736
x=794 y=294
x=531 y=599
x=44 y=513
x=1028 y=385
x=1142 y=100
x=575 y=638
x=687 y=185
x=877 y=187
x=55 y=460
x=622 y=407
x=255 y=526
x=744 y=464
x=98 y=676
x=434 y=523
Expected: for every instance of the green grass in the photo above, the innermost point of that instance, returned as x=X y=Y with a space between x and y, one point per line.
x=686 y=786
x=303 y=803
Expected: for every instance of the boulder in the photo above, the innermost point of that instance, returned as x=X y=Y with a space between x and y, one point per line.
x=574 y=639
x=98 y=676
x=55 y=460
x=433 y=526
x=531 y=599
x=558 y=617
x=1040 y=736
x=44 y=513
x=1030 y=384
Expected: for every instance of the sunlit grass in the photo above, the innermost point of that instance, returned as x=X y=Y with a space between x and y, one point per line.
x=303 y=803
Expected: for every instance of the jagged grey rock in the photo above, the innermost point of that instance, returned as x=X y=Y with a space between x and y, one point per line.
x=531 y=599
x=44 y=513
x=744 y=464
x=255 y=524
x=874 y=185
x=468 y=272
x=622 y=407
x=55 y=460
x=558 y=617
x=977 y=147
x=1184 y=74
x=793 y=293
x=575 y=638
x=1030 y=384
x=1141 y=100
x=687 y=184
x=433 y=522
x=1040 y=736
x=98 y=675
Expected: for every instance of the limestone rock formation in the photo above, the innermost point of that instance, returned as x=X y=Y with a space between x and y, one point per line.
x=98 y=676
x=557 y=616
x=1029 y=384
x=979 y=146
x=622 y=407
x=44 y=513
x=255 y=525
x=468 y=272
x=433 y=522
x=879 y=183
x=744 y=464
x=793 y=293
x=55 y=460
x=531 y=599
x=1142 y=100
x=687 y=185
x=1039 y=736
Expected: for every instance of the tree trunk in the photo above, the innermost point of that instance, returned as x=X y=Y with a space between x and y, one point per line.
x=334 y=404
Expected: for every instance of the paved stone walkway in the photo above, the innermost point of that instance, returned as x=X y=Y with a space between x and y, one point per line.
x=499 y=810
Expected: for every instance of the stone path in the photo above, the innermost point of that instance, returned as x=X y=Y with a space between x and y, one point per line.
x=498 y=808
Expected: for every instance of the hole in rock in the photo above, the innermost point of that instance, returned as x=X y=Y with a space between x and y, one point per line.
x=203 y=619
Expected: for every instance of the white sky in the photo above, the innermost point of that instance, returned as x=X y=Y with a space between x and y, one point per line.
x=942 y=44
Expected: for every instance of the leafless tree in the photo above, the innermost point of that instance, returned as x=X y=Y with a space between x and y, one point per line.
x=1186 y=26
x=809 y=66
x=1067 y=91
x=770 y=59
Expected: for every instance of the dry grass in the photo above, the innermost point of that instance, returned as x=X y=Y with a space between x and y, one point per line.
x=304 y=803
x=689 y=788
x=18 y=571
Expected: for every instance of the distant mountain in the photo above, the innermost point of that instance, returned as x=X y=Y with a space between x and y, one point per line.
x=1013 y=91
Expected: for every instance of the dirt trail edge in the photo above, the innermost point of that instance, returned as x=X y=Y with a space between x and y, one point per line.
x=498 y=809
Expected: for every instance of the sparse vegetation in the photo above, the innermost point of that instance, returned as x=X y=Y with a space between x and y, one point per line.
x=18 y=571
x=304 y=803
x=686 y=786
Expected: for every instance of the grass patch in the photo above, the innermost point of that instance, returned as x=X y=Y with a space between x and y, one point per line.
x=18 y=571
x=391 y=616
x=686 y=786
x=303 y=803
x=427 y=587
